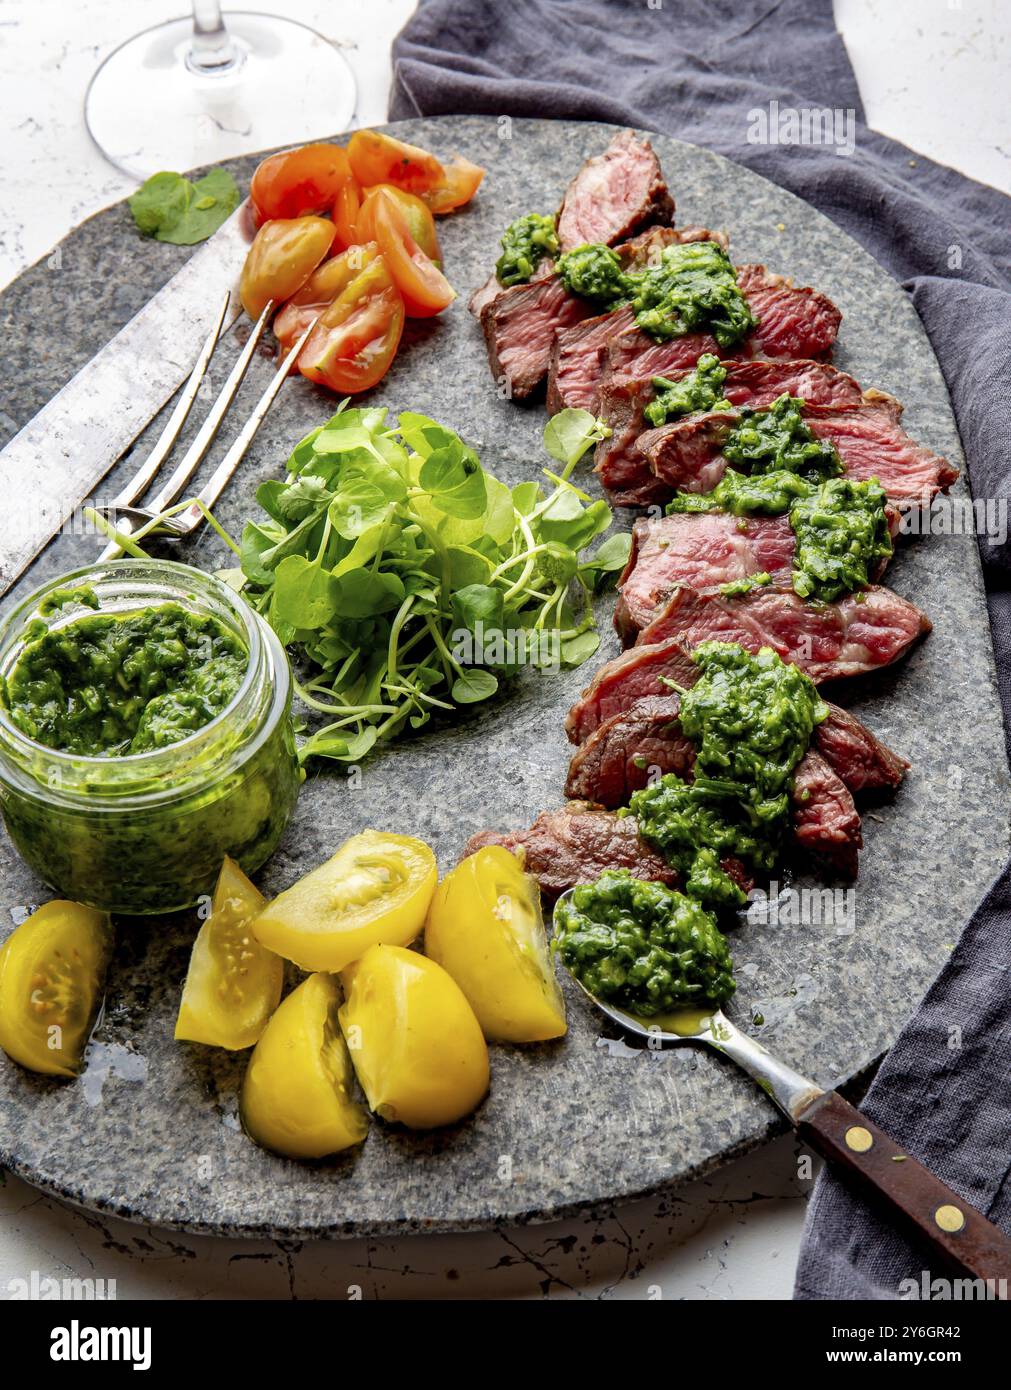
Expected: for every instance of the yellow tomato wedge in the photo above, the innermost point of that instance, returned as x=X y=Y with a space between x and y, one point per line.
x=485 y=928
x=416 y=1047
x=376 y=888
x=283 y=255
x=297 y=1095
x=52 y=969
x=233 y=984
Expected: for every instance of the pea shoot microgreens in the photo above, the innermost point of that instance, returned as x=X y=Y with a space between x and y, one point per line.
x=412 y=580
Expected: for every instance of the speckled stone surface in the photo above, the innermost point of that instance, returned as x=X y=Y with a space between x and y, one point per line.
x=151 y=1131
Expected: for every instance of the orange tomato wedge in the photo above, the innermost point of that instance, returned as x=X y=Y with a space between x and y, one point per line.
x=283 y=255
x=420 y=222
x=345 y=213
x=356 y=338
x=300 y=181
x=377 y=158
x=425 y=289
x=321 y=289
x=458 y=187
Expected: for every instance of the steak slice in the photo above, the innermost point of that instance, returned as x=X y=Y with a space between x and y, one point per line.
x=620 y=463
x=614 y=194
x=871 y=443
x=859 y=758
x=491 y=289
x=630 y=750
x=638 y=674
x=702 y=550
x=574 y=367
x=854 y=635
x=825 y=820
x=519 y=328
x=579 y=354
x=793 y=323
x=575 y=845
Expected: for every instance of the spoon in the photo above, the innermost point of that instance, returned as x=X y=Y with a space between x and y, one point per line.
x=954 y=1230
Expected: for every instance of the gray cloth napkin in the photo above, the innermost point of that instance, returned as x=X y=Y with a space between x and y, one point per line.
x=695 y=70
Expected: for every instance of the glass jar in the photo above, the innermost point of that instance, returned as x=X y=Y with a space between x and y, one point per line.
x=146 y=832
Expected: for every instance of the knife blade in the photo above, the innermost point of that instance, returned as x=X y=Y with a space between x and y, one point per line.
x=58 y=458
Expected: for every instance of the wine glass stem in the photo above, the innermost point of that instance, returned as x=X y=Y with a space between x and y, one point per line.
x=212 y=51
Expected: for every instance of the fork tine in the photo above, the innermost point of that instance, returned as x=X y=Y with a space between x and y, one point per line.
x=141 y=481
x=215 y=484
x=190 y=461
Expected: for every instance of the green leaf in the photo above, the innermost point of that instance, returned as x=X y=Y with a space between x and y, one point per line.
x=170 y=208
x=579 y=649
x=455 y=481
x=256 y=542
x=362 y=594
x=357 y=507
x=474 y=685
x=610 y=557
x=339 y=745
x=304 y=593
x=576 y=529
x=569 y=434
x=478 y=603
x=526 y=497
x=424 y=435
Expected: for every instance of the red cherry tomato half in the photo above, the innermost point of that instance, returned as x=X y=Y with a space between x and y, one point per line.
x=282 y=257
x=377 y=158
x=420 y=222
x=345 y=213
x=356 y=339
x=297 y=182
x=425 y=289
x=458 y=187
x=321 y=289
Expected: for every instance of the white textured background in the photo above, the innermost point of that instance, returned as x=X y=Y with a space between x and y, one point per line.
x=934 y=74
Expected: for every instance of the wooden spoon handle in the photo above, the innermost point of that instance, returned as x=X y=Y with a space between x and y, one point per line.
x=962 y=1238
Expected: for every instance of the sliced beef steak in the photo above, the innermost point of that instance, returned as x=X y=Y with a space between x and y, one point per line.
x=574 y=367
x=627 y=751
x=825 y=820
x=859 y=758
x=575 y=845
x=579 y=354
x=871 y=442
x=702 y=550
x=640 y=673
x=854 y=635
x=630 y=750
x=793 y=323
x=620 y=463
x=491 y=289
x=614 y=194
x=519 y=328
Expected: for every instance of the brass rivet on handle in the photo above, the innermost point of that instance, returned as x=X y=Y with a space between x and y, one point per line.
x=859 y=1139
x=949 y=1218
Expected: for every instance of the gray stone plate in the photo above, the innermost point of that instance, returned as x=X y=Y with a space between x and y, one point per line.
x=150 y=1132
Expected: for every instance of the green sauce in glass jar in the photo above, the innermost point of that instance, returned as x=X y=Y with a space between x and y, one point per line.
x=145 y=733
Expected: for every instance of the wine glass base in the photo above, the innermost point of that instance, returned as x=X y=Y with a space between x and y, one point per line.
x=147 y=110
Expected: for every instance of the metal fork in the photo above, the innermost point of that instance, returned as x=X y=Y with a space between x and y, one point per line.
x=124 y=511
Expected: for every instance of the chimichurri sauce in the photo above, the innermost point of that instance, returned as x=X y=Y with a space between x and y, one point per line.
x=700 y=389
x=692 y=289
x=109 y=684
x=594 y=272
x=525 y=243
x=641 y=946
x=777 y=438
x=751 y=719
